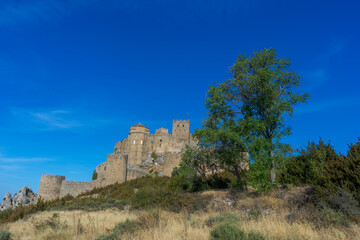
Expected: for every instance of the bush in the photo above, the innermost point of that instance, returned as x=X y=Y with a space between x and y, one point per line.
x=95 y=175
x=255 y=236
x=320 y=166
x=228 y=218
x=127 y=227
x=5 y=235
x=227 y=231
x=345 y=202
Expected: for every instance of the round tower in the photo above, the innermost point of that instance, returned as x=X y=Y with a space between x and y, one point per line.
x=50 y=186
x=137 y=143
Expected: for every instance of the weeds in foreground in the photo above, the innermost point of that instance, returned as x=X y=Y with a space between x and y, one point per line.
x=5 y=235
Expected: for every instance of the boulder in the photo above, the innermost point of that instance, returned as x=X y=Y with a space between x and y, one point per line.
x=6 y=202
x=24 y=197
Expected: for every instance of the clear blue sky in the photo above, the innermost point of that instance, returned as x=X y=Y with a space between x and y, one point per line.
x=75 y=75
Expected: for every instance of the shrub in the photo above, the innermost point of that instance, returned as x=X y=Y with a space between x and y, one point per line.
x=154 y=155
x=319 y=165
x=228 y=218
x=254 y=214
x=5 y=235
x=95 y=175
x=227 y=231
x=127 y=227
x=255 y=236
x=345 y=202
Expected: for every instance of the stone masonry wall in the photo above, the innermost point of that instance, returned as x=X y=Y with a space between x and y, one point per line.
x=50 y=186
x=115 y=168
x=74 y=188
x=101 y=170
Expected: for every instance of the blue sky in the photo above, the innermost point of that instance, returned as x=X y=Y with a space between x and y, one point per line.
x=75 y=75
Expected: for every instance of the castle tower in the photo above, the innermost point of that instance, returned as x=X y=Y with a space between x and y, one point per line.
x=50 y=186
x=137 y=143
x=181 y=129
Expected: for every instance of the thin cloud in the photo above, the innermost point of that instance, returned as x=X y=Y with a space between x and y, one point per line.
x=18 y=12
x=315 y=78
x=318 y=76
x=46 y=120
x=326 y=105
x=10 y=167
x=24 y=160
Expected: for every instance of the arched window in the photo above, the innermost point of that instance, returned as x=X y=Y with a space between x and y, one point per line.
x=141 y=142
x=134 y=141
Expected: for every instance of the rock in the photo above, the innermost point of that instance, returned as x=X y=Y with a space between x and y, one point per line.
x=159 y=160
x=148 y=162
x=24 y=197
x=6 y=203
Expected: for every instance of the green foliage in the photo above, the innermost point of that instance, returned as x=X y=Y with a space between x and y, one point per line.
x=154 y=155
x=344 y=202
x=309 y=167
x=252 y=235
x=319 y=165
x=228 y=218
x=247 y=113
x=127 y=227
x=95 y=175
x=232 y=231
x=196 y=164
x=5 y=235
x=227 y=231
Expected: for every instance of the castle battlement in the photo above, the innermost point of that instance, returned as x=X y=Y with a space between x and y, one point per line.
x=132 y=158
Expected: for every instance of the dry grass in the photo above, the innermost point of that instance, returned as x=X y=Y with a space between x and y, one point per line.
x=168 y=225
x=71 y=224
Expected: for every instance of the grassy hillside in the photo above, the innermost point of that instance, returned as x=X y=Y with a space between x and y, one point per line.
x=150 y=208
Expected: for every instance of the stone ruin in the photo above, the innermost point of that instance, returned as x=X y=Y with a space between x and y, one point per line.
x=137 y=155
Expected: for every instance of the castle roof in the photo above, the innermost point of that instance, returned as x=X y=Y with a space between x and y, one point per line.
x=140 y=125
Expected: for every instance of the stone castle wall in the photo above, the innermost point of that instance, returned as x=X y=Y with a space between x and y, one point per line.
x=75 y=188
x=132 y=158
x=116 y=168
x=50 y=186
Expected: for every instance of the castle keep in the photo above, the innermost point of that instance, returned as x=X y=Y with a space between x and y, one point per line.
x=135 y=156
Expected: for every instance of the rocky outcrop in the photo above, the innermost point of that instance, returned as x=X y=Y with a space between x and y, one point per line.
x=6 y=203
x=24 y=197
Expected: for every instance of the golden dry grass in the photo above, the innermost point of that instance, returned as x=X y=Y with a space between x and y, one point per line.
x=89 y=225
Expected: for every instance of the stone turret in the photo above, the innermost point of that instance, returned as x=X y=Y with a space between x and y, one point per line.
x=181 y=129
x=50 y=187
x=137 y=143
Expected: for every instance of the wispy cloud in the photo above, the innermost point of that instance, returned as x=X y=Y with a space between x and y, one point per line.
x=315 y=78
x=46 y=120
x=318 y=73
x=327 y=104
x=23 y=160
x=13 y=12
x=10 y=167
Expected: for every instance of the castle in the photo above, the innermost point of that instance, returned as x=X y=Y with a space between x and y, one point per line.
x=137 y=155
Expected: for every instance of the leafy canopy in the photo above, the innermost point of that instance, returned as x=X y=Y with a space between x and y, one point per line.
x=248 y=111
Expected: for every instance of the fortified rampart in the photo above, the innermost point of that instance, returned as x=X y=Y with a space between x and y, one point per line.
x=137 y=155
x=50 y=186
x=74 y=188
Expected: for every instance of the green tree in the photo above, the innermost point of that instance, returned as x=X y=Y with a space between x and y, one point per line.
x=248 y=111
x=95 y=175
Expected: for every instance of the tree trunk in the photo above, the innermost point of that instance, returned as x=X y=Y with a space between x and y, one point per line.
x=272 y=168
x=238 y=178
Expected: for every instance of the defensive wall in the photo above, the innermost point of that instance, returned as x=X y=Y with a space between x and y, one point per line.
x=137 y=155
